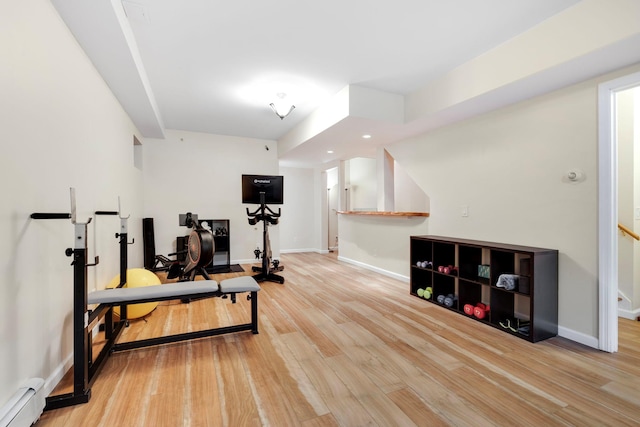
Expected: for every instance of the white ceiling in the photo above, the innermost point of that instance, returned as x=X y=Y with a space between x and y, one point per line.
x=196 y=65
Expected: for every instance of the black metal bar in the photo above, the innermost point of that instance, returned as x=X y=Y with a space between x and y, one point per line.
x=98 y=312
x=80 y=338
x=254 y=312
x=97 y=365
x=123 y=257
x=106 y=212
x=50 y=215
x=123 y=268
x=181 y=337
x=64 y=400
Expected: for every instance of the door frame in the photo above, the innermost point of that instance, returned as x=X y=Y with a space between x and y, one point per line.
x=608 y=210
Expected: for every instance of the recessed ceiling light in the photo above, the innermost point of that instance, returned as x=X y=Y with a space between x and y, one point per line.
x=366 y=136
x=330 y=152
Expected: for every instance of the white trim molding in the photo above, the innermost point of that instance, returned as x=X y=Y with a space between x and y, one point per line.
x=376 y=269
x=608 y=212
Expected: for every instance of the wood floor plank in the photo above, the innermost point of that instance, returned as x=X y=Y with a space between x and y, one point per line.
x=239 y=407
x=204 y=408
x=343 y=405
x=323 y=421
x=415 y=408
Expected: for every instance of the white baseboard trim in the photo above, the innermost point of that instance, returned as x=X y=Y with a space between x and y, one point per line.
x=578 y=337
x=282 y=251
x=376 y=269
x=246 y=261
x=295 y=251
x=56 y=376
x=629 y=314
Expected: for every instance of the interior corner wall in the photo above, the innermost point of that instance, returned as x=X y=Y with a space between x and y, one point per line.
x=202 y=174
x=509 y=167
x=60 y=127
x=409 y=197
x=298 y=229
x=363 y=184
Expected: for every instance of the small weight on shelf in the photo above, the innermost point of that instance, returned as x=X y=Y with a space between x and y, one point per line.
x=480 y=311
x=468 y=309
x=450 y=300
x=440 y=299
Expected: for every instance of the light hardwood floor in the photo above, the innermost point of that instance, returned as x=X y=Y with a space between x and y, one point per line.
x=343 y=346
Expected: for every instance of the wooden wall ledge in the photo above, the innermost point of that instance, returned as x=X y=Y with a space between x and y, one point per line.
x=378 y=213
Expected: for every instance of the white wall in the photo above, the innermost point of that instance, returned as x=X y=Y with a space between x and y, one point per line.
x=60 y=127
x=508 y=166
x=363 y=184
x=202 y=173
x=297 y=230
x=380 y=243
x=409 y=197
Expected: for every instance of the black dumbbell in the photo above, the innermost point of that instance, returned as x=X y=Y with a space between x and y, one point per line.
x=450 y=300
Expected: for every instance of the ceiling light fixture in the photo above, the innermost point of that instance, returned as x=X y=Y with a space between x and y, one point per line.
x=366 y=136
x=281 y=107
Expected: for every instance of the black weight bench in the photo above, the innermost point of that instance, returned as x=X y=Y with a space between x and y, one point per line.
x=182 y=290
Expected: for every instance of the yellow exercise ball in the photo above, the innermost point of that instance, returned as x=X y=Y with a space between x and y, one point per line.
x=136 y=278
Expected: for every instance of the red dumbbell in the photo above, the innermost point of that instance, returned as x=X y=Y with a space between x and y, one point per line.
x=450 y=269
x=480 y=310
x=468 y=309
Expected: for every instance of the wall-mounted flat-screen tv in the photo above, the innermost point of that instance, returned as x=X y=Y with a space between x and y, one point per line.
x=271 y=185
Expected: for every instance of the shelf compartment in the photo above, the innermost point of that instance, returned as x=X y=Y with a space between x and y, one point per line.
x=501 y=263
x=469 y=258
x=444 y=285
x=421 y=250
x=443 y=254
x=470 y=292
x=502 y=307
x=420 y=278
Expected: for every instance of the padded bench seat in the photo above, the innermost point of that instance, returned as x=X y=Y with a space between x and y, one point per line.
x=198 y=288
x=239 y=284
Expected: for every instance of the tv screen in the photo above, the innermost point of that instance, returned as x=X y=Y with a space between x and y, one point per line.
x=271 y=185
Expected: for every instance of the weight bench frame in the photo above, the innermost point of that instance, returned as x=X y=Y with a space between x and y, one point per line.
x=85 y=368
x=180 y=290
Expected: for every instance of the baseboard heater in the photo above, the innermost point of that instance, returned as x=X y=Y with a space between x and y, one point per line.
x=25 y=406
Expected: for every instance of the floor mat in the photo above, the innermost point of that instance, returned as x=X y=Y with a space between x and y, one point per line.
x=233 y=268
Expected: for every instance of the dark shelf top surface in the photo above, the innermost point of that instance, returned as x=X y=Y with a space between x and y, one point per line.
x=480 y=243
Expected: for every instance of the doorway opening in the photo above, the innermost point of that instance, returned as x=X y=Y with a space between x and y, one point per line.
x=608 y=210
x=333 y=200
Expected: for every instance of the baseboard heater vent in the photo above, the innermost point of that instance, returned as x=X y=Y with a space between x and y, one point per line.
x=25 y=406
